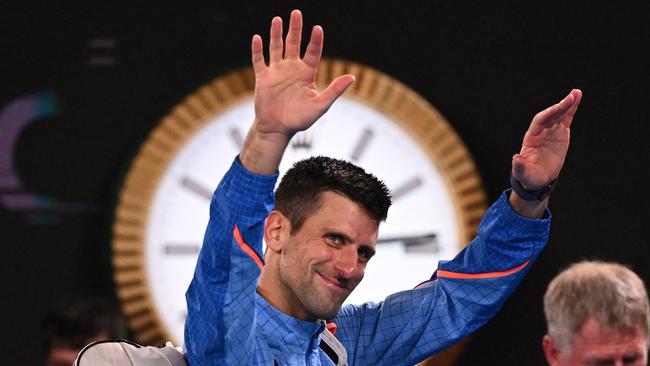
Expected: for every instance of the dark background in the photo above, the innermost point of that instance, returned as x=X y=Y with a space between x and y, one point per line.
x=487 y=66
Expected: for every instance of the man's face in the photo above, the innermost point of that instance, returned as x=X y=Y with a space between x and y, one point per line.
x=325 y=259
x=597 y=346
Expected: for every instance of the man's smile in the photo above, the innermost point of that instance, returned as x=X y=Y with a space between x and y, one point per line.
x=334 y=284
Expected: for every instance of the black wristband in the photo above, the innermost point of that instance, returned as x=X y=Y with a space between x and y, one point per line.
x=537 y=195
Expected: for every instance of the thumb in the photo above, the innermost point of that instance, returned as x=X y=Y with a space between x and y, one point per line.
x=335 y=89
x=518 y=167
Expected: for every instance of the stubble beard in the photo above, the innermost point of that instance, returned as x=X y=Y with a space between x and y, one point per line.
x=319 y=302
x=314 y=297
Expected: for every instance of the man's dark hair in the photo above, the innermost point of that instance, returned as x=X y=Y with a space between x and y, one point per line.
x=298 y=195
x=72 y=324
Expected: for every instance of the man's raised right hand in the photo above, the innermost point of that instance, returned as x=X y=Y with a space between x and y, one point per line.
x=286 y=98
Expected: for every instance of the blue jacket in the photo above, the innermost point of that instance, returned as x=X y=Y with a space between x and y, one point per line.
x=228 y=323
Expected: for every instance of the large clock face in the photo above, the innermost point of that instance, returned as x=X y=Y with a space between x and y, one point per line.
x=379 y=125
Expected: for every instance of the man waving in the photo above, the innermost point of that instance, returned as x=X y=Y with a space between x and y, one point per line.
x=246 y=307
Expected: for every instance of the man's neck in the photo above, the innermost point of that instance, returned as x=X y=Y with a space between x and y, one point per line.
x=279 y=296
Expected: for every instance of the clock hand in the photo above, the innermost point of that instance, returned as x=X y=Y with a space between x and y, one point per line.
x=409 y=242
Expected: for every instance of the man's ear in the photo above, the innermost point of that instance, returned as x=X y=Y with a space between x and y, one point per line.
x=277 y=229
x=551 y=350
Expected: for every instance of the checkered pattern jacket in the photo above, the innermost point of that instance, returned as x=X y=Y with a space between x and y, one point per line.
x=228 y=323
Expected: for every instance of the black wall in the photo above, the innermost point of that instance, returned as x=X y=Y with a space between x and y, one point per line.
x=487 y=66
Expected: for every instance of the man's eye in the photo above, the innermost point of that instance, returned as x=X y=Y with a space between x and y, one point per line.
x=631 y=359
x=365 y=254
x=334 y=239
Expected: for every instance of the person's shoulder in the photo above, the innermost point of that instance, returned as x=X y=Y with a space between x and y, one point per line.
x=127 y=353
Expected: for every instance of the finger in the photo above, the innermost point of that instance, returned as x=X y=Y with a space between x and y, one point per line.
x=292 y=50
x=275 y=43
x=257 y=55
x=530 y=176
x=518 y=167
x=334 y=90
x=577 y=94
x=550 y=115
x=526 y=175
x=315 y=47
x=565 y=110
x=566 y=103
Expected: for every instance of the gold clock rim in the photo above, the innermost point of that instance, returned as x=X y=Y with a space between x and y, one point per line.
x=413 y=113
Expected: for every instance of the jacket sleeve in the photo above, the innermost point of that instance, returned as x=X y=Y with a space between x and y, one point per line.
x=462 y=295
x=220 y=324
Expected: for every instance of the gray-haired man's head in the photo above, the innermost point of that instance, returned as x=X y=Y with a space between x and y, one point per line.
x=597 y=313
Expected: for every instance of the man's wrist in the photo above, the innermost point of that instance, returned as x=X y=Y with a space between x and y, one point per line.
x=525 y=208
x=262 y=152
x=532 y=195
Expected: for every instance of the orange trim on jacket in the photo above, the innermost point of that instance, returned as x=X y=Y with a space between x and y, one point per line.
x=246 y=248
x=447 y=274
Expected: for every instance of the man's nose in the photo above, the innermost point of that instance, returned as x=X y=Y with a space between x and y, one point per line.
x=347 y=261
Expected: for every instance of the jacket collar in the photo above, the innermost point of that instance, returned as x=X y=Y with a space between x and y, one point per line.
x=283 y=331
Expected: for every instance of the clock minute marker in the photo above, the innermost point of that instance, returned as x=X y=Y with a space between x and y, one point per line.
x=362 y=144
x=425 y=243
x=302 y=140
x=181 y=249
x=196 y=187
x=406 y=188
x=237 y=138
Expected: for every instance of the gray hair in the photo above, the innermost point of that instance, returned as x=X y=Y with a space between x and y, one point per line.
x=610 y=293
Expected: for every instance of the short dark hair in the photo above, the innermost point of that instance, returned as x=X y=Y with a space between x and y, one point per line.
x=298 y=195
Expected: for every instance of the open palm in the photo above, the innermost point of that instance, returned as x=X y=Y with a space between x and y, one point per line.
x=546 y=144
x=286 y=97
